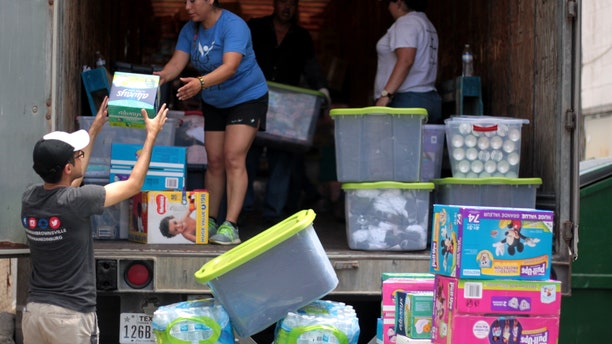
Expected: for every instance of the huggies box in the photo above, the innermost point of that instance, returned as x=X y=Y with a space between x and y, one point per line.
x=170 y=217
x=129 y=94
x=491 y=243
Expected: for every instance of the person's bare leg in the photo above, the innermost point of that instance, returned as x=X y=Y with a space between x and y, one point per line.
x=238 y=140
x=215 y=171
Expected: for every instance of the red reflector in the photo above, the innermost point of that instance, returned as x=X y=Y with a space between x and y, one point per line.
x=138 y=275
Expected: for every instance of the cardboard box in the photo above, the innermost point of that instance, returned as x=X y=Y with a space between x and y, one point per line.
x=491 y=329
x=131 y=92
x=153 y=208
x=167 y=170
x=495 y=311
x=392 y=283
x=413 y=314
x=491 y=243
x=406 y=340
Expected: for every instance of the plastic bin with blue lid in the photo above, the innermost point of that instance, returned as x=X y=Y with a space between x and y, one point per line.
x=277 y=271
x=484 y=146
x=387 y=216
x=492 y=192
x=291 y=118
x=378 y=143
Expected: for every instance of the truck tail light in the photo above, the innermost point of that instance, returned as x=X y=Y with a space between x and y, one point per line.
x=136 y=275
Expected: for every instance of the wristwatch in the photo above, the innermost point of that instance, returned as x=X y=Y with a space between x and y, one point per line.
x=385 y=93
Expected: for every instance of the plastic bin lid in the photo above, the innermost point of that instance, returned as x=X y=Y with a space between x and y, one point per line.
x=389 y=185
x=255 y=246
x=485 y=120
x=272 y=84
x=594 y=170
x=488 y=181
x=378 y=110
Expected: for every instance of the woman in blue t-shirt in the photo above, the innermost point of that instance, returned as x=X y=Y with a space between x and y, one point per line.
x=235 y=100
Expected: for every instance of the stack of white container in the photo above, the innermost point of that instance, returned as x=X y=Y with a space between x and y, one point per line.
x=378 y=160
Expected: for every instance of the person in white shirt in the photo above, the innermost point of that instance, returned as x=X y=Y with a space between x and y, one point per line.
x=408 y=61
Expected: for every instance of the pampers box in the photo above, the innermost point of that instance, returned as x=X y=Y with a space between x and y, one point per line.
x=491 y=243
x=170 y=217
x=129 y=94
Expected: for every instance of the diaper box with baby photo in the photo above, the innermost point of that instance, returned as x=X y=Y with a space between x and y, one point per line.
x=170 y=217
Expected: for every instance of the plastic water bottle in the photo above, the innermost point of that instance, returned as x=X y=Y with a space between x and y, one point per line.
x=468 y=61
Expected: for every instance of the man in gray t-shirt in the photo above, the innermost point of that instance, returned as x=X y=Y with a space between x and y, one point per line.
x=56 y=215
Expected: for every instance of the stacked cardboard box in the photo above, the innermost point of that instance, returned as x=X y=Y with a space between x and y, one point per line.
x=492 y=282
x=170 y=217
x=394 y=285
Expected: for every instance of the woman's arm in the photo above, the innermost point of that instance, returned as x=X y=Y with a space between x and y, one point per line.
x=94 y=129
x=405 y=60
x=174 y=67
x=193 y=86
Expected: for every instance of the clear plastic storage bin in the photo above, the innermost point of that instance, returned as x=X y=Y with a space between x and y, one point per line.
x=291 y=118
x=99 y=163
x=378 y=143
x=484 y=146
x=387 y=216
x=277 y=271
x=433 y=151
x=491 y=192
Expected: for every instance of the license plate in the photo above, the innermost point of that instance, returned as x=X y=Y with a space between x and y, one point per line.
x=135 y=328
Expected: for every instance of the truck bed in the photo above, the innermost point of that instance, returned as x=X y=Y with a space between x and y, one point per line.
x=358 y=271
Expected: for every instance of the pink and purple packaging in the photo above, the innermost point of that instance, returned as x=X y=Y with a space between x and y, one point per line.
x=396 y=282
x=495 y=311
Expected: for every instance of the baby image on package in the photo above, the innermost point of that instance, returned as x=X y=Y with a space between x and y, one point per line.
x=167 y=217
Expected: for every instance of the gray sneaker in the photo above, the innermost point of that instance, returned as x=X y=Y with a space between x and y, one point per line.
x=212 y=227
x=226 y=234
